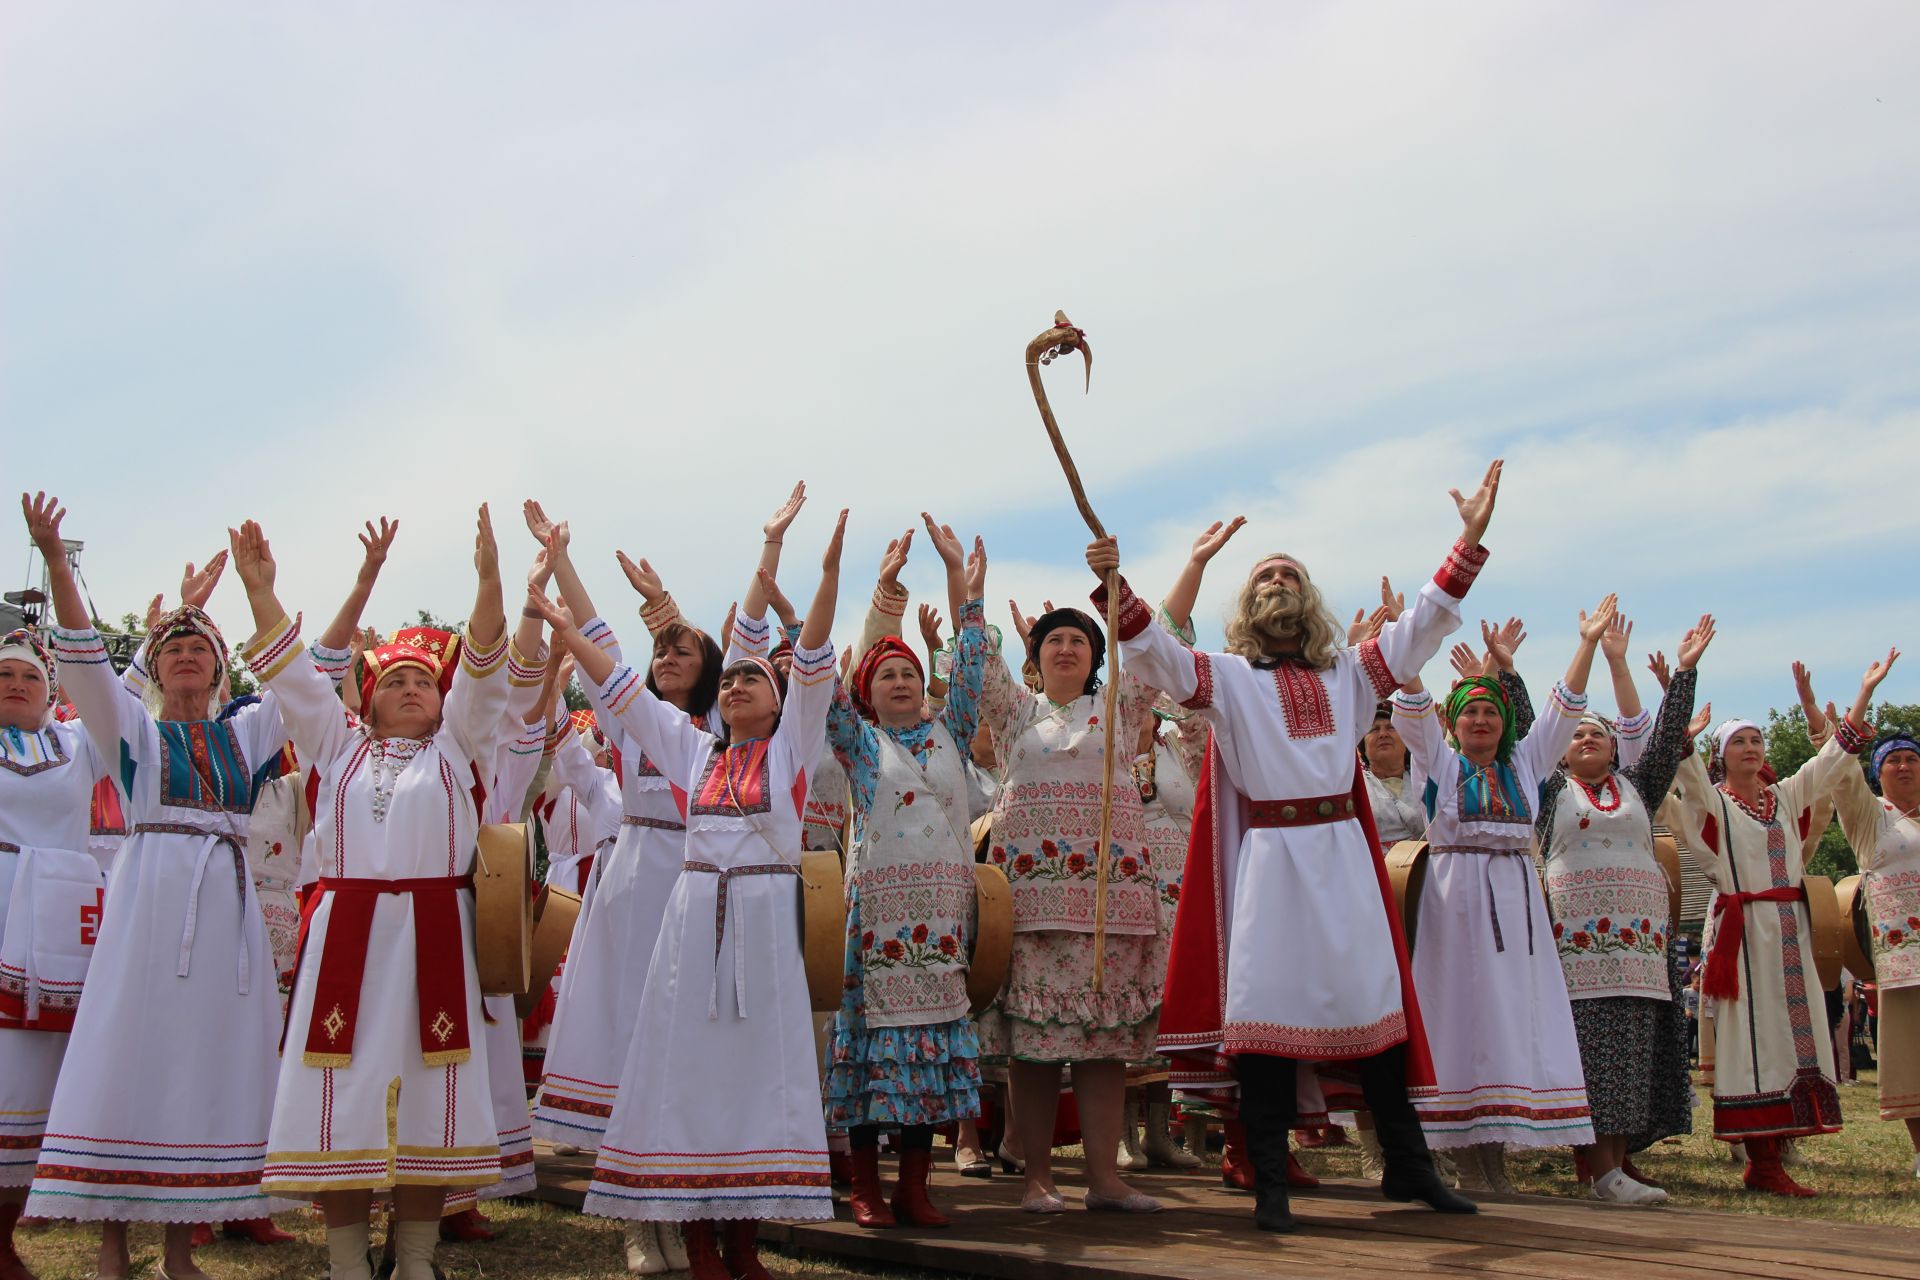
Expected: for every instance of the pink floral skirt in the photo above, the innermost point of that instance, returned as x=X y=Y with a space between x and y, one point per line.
x=1049 y=1011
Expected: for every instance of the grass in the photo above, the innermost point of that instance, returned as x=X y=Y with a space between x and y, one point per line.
x=1864 y=1174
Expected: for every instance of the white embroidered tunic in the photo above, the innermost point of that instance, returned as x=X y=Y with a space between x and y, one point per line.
x=1887 y=843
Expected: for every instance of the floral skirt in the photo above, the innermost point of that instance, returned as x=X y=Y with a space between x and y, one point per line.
x=1633 y=1052
x=1050 y=1012
x=894 y=1076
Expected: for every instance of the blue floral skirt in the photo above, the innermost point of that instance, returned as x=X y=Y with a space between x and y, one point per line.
x=895 y=1076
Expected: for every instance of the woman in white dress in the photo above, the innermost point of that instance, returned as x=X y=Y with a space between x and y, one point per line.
x=164 y=1098
x=384 y=1084
x=717 y=1115
x=51 y=891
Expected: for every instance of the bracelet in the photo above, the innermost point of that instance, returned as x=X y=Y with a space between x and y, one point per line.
x=531 y=612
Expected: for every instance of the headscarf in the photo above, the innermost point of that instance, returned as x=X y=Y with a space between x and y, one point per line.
x=189 y=621
x=23 y=645
x=1607 y=727
x=884 y=648
x=1051 y=622
x=1899 y=742
x=1479 y=688
x=767 y=669
x=1717 y=760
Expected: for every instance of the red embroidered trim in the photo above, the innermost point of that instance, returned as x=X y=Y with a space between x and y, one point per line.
x=1317 y=1043
x=1459 y=569
x=1384 y=685
x=1134 y=614
x=708 y=1181
x=1202 y=683
x=1303 y=699
x=145 y=1177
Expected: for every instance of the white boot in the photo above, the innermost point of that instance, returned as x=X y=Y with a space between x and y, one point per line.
x=347 y=1252
x=1194 y=1137
x=413 y=1246
x=672 y=1247
x=1790 y=1152
x=1130 y=1157
x=1618 y=1188
x=1158 y=1143
x=644 y=1257
x=1373 y=1165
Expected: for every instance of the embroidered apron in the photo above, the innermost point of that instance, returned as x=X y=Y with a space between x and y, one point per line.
x=913 y=871
x=53 y=910
x=1893 y=909
x=1607 y=896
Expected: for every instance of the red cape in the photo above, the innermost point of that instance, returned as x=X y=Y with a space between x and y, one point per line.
x=1193 y=1014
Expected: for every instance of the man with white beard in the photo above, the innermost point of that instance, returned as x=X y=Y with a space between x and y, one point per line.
x=1287 y=946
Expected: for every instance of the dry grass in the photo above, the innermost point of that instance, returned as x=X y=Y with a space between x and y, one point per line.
x=537 y=1242
x=1864 y=1174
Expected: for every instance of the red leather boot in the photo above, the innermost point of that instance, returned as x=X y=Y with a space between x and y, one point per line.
x=839 y=1169
x=742 y=1250
x=11 y=1265
x=469 y=1226
x=1298 y=1177
x=202 y=1234
x=1236 y=1171
x=868 y=1202
x=1764 y=1172
x=703 y=1253
x=910 y=1203
x=255 y=1231
x=1582 y=1171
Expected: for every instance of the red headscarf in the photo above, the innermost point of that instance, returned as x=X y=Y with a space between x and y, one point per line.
x=884 y=648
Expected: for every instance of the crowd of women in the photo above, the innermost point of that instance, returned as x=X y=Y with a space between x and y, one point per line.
x=1234 y=941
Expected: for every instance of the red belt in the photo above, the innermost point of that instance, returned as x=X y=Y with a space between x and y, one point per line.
x=1722 y=978
x=1313 y=811
x=438 y=959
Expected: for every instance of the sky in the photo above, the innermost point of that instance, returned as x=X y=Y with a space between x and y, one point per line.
x=652 y=263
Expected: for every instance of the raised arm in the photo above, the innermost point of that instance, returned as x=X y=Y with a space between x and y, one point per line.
x=374 y=545
x=1851 y=735
x=1180 y=599
x=620 y=697
x=1547 y=742
x=1676 y=726
x=555 y=539
x=487 y=624
x=309 y=707
x=818 y=628
x=754 y=604
x=44 y=516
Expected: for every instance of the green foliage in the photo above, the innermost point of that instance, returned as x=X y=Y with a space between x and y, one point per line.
x=576 y=699
x=429 y=619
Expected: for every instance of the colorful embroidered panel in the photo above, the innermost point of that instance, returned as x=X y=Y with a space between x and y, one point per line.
x=1303 y=697
x=201 y=767
x=735 y=782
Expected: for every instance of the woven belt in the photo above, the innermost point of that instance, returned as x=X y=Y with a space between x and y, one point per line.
x=6 y=847
x=1493 y=908
x=658 y=824
x=187 y=929
x=1312 y=811
x=726 y=875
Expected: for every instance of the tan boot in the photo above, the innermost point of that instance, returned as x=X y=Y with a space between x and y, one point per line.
x=1130 y=1158
x=347 y=1252
x=1373 y=1165
x=644 y=1255
x=413 y=1246
x=1158 y=1143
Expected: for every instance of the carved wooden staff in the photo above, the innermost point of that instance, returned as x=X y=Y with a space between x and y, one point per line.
x=1058 y=341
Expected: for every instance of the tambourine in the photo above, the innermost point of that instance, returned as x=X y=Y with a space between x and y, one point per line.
x=503 y=908
x=1830 y=929
x=1666 y=851
x=991 y=950
x=1856 y=943
x=823 y=927
x=1407 y=873
x=554 y=912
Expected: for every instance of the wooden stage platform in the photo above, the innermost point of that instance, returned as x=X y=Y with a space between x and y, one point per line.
x=1347 y=1230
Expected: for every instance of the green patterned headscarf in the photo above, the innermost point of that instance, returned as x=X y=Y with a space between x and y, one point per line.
x=1474 y=688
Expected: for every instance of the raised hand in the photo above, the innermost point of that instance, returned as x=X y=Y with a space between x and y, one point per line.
x=846 y=663
x=1701 y=719
x=375 y=543
x=1393 y=602
x=726 y=627
x=1478 y=509
x=1466 y=663
x=1501 y=642
x=930 y=626
x=830 y=560
x=559 y=619
x=537 y=522
x=1595 y=625
x=197 y=588
x=1694 y=644
x=540 y=572
x=1022 y=622
x=1614 y=640
x=1513 y=633
x=1803 y=689
x=976 y=579
x=777 y=524
x=252 y=557
x=946 y=543
x=642 y=577
x=44 y=515
x=1876 y=672
x=1214 y=537
x=364 y=638
x=777 y=599
x=1103 y=556
x=486 y=551
x=1357 y=629
x=894 y=558
x=1657 y=663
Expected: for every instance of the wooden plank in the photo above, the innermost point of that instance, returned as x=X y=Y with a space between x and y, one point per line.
x=1347 y=1230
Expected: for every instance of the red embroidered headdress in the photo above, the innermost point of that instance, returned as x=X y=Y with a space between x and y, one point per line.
x=884 y=648
x=443 y=645
x=392 y=657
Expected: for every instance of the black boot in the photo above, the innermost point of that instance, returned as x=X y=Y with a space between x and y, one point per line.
x=1266 y=1113
x=1403 y=1147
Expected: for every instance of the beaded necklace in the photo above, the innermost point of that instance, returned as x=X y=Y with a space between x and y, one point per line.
x=1607 y=787
x=1763 y=814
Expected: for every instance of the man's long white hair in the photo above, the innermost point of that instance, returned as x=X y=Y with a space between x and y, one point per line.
x=1279 y=620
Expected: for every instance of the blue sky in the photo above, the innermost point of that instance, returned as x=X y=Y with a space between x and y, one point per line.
x=651 y=263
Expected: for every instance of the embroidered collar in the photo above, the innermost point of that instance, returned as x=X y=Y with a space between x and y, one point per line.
x=1763 y=813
